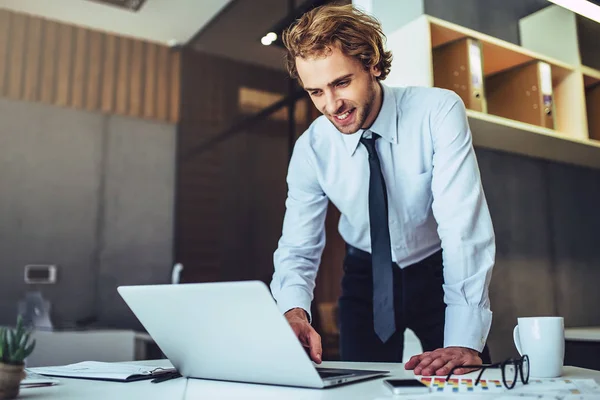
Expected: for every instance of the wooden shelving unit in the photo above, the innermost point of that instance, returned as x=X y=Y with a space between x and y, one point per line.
x=590 y=76
x=591 y=79
x=497 y=133
x=592 y=98
x=570 y=140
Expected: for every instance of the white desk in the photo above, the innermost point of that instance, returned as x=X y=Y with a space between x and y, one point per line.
x=583 y=334
x=100 y=390
x=372 y=389
x=206 y=390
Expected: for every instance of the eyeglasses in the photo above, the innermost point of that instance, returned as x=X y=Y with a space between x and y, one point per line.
x=510 y=369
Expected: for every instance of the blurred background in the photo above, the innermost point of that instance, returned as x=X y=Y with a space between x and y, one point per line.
x=137 y=134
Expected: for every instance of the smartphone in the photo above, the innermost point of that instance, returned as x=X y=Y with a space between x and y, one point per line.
x=406 y=386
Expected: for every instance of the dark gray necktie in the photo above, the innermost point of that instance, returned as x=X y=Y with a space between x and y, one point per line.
x=381 y=251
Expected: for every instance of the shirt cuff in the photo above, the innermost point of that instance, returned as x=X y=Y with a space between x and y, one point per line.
x=467 y=327
x=294 y=297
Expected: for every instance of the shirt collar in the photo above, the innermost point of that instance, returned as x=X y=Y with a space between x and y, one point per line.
x=385 y=124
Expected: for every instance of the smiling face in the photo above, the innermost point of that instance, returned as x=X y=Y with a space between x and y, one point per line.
x=342 y=89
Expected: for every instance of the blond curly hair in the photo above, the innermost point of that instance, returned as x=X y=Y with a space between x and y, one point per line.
x=356 y=33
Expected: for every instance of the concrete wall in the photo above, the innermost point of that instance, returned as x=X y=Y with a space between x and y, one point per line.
x=545 y=217
x=90 y=193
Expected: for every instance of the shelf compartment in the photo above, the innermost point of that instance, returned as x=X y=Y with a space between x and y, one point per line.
x=523 y=93
x=497 y=57
x=590 y=76
x=497 y=54
x=457 y=66
x=592 y=95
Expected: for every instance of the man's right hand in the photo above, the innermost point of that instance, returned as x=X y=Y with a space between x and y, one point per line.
x=306 y=334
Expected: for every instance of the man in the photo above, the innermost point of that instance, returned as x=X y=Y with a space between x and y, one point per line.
x=399 y=165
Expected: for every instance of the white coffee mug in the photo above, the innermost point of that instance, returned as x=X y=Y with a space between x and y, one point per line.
x=543 y=340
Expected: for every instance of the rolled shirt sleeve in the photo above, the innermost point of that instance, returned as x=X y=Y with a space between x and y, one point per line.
x=300 y=247
x=464 y=227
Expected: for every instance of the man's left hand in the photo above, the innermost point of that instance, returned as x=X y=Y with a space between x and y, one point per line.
x=441 y=361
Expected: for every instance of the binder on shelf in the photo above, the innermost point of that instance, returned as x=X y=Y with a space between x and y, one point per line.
x=593 y=110
x=523 y=93
x=458 y=66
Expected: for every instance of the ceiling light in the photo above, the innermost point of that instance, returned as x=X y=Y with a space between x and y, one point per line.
x=581 y=7
x=272 y=36
x=266 y=40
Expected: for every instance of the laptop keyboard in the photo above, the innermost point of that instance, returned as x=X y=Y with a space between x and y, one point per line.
x=323 y=373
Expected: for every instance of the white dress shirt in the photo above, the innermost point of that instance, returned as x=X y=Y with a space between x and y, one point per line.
x=435 y=201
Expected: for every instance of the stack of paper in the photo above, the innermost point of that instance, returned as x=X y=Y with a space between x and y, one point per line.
x=560 y=388
x=36 y=380
x=555 y=389
x=120 y=372
x=439 y=385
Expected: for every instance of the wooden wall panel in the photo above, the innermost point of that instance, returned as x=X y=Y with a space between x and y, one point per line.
x=136 y=79
x=63 y=68
x=4 y=31
x=94 y=70
x=162 y=86
x=175 y=87
x=80 y=61
x=122 y=106
x=16 y=53
x=70 y=66
x=109 y=72
x=49 y=61
x=150 y=80
x=32 y=62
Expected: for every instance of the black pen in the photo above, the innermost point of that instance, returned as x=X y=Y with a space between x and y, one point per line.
x=166 y=377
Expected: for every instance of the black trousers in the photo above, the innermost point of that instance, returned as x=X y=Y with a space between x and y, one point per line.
x=419 y=305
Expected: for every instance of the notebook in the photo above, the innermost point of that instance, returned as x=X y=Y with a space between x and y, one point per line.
x=117 y=372
x=36 y=380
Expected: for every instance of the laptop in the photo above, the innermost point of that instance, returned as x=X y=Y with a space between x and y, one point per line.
x=230 y=331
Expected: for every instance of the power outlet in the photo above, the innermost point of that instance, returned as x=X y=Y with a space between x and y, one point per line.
x=36 y=274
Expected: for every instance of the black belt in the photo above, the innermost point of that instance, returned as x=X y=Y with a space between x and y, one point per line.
x=358 y=253
x=434 y=259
